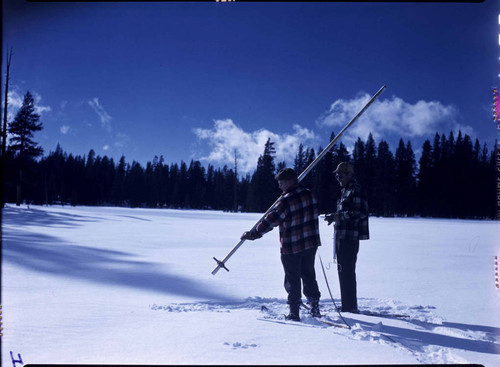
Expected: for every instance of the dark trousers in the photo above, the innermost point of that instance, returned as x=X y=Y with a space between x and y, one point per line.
x=300 y=267
x=347 y=255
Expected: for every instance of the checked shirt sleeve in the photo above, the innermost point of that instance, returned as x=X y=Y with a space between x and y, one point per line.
x=353 y=215
x=358 y=208
x=272 y=219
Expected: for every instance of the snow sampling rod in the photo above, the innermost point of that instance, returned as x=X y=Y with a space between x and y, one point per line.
x=221 y=263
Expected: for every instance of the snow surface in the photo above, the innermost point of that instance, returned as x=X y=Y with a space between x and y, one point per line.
x=116 y=285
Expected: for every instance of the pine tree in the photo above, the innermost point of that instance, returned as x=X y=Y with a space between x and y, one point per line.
x=309 y=180
x=22 y=128
x=172 y=192
x=228 y=188
x=486 y=178
x=437 y=173
x=300 y=160
x=243 y=188
x=180 y=188
x=54 y=177
x=151 y=194
x=196 y=184
x=383 y=202
x=405 y=179
x=136 y=187
x=210 y=190
x=324 y=187
x=341 y=154
x=462 y=168
x=412 y=181
x=74 y=172
x=163 y=177
x=263 y=190
x=280 y=166
x=358 y=156
x=107 y=176
x=368 y=175
x=25 y=149
x=425 y=184
x=118 y=186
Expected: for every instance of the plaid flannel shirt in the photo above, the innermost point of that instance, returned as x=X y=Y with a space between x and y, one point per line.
x=352 y=208
x=296 y=214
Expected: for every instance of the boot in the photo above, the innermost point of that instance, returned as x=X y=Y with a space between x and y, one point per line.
x=294 y=312
x=314 y=303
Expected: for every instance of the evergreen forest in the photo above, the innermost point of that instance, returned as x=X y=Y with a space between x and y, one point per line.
x=453 y=178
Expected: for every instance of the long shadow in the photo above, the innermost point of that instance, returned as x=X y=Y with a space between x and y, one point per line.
x=465 y=327
x=137 y=218
x=32 y=216
x=416 y=339
x=491 y=331
x=423 y=311
x=49 y=254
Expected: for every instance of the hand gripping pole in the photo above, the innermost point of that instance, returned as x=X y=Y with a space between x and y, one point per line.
x=221 y=263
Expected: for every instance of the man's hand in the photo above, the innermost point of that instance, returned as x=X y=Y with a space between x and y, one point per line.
x=250 y=236
x=331 y=218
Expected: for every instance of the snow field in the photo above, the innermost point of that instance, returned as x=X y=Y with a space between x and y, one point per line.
x=118 y=285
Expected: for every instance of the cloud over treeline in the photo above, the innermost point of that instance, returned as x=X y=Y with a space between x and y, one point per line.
x=226 y=138
x=391 y=117
x=387 y=119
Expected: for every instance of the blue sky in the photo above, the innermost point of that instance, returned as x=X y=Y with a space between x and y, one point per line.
x=203 y=80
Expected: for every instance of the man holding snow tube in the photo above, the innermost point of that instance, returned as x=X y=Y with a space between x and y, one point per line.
x=296 y=214
x=351 y=226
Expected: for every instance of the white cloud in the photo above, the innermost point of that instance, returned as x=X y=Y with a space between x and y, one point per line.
x=14 y=103
x=38 y=108
x=103 y=115
x=14 y=100
x=392 y=117
x=226 y=137
x=64 y=129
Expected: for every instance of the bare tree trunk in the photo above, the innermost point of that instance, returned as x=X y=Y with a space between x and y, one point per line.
x=4 y=132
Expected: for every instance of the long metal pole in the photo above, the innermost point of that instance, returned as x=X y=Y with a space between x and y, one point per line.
x=221 y=263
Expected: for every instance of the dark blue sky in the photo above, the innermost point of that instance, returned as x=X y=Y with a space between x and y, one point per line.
x=203 y=80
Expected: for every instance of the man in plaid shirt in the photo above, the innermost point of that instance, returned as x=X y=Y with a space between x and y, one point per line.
x=296 y=214
x=351 y=226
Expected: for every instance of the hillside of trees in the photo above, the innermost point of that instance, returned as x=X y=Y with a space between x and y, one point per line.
x=454 y=178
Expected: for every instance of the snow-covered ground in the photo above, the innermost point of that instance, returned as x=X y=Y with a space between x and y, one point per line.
x=116 y=285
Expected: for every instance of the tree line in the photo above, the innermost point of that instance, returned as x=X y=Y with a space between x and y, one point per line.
x=454 y=177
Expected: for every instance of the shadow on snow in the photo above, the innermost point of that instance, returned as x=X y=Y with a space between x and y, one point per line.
x=414 y=340
x=37 y=217
x=49 y=254
x=417 y=339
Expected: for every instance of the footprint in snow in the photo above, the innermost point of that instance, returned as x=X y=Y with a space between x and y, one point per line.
x=240 y=345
